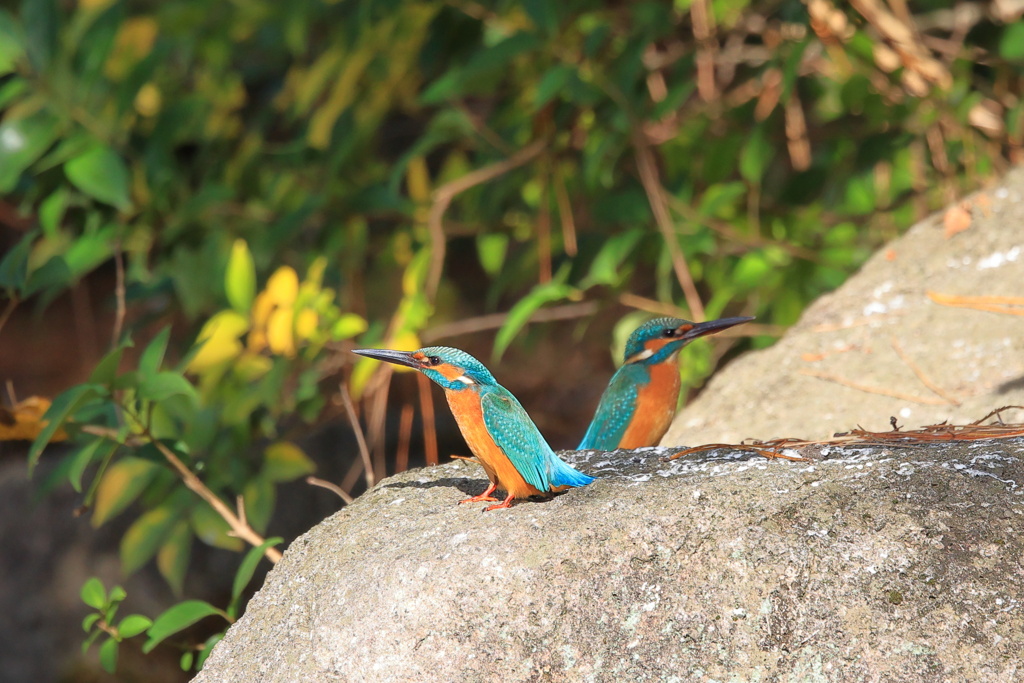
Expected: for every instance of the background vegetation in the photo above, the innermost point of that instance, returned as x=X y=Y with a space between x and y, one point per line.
x=257 y=185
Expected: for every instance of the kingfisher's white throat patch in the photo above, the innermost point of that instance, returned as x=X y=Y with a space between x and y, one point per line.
x=464 y=379
x=637 y=357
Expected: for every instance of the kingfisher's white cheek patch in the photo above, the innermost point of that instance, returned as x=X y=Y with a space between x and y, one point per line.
x=464 y=379
x=643 y=355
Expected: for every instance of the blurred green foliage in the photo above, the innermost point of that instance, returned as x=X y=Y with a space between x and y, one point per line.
x=421 y=160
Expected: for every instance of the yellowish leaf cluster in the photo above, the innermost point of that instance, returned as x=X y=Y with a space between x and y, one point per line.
x=288 y=318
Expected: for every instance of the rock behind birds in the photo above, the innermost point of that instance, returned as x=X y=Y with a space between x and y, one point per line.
x=975 y=358
x=867 y=563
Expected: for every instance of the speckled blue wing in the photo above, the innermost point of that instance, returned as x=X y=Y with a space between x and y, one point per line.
x=518 y=437
x=616 y=409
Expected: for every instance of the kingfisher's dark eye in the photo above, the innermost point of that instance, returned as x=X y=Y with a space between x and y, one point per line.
x=433 y=360
x=668 y=332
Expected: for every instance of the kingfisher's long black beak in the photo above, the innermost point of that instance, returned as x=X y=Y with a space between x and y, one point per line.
x=710 y=327
x=388 y=356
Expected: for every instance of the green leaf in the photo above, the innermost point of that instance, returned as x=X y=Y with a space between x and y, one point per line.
x=212 y=529
x=60 y=410
x=1011 y=44
x=482 y=72
x=240 y=278
x=53 y=276
x=90 y=640
x=108 y=655
x=753 y=268
x=14 y=266
x=90 y=621
x=172 y=558
x=97 y=449
x=122 y=483
x=247 y=568
x=208 y=646
x=176 y=619
x=186 y=660
x=755 y=156
x=524 y=310
x=102 y=174
x=604 y=270
x=117 y=594
x=491 y=249
x=153 y=357
x=163 y=385
x=133 y=624
x=22 y=141
x=348 y=325
x=284 y=461
x=551 y=83
x=106 y=370
x=11 y=90
x=12 y=45
x=51 y=211
x=260 y=498
x=93 y=594
x=142 y=539
x=41 y=20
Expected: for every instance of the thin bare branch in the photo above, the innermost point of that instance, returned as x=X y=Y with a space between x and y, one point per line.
x=364 y=451
x=119 y=294
x=444 y=195
x=565 y=213
x=330 y=486
x=12 y=303
x=239 y=527
x=659 y=206
x=496 y=320
x=429 y=424
x=404 y=437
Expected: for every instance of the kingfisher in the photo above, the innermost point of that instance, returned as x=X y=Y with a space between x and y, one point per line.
x=496 y=427
x=637 y=407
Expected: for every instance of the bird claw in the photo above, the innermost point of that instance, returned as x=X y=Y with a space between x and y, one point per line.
x=507 y=503
x=482 y=498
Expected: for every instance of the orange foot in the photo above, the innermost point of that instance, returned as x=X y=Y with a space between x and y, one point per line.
x=507 y=503
x=484 y=497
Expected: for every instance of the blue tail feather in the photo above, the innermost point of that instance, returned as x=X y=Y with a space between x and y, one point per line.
x=562 y=474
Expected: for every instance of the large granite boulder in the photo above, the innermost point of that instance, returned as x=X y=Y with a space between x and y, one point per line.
x=974 y=359
x=866 y=563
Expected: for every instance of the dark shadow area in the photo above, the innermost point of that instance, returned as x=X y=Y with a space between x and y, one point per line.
x=1011 y=385
x=470 y=487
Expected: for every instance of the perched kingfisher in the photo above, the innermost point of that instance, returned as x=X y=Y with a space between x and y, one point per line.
x=637 y=407
x=496 y=427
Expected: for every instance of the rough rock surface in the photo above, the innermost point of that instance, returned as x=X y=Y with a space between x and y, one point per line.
x=866 y=563
x=974 y=357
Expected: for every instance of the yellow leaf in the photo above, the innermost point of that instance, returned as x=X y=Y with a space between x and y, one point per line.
x=306 y=323
x=315 y=274
x=134 y=41
x=404 y=341
x=148 y=100
x=285 y=461
x=220 y=341
x=416 y=273
x=260 y=315
x=23 y=422
x=122 y=484
x=283 y=286
x=279 y=332
x=417 y=180
x=252 y=366
x=321 y=123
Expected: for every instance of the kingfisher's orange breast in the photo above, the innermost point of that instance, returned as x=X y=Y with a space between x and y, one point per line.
x=465 y=406
x=655 y=407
